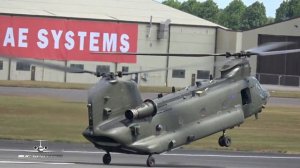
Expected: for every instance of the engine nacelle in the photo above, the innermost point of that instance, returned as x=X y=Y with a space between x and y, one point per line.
x=147 y=109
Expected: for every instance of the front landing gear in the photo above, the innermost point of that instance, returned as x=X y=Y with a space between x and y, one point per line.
x=106 y=158
x=150 y=161
x=224 y=141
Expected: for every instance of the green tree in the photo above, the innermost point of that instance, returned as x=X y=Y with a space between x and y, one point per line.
x=232 y=14
x=282 y=12
x=190 y=6
x=288 y=9
x=254 y=16
x=294 y=6
x=172 y=3
x=208 y=10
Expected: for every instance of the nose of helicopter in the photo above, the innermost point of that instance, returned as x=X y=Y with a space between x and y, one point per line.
x=266 y=95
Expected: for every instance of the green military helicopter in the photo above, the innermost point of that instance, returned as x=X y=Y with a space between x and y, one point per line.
x=120 y=121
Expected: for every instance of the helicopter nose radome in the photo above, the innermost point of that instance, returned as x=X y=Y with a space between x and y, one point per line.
x=266 y=96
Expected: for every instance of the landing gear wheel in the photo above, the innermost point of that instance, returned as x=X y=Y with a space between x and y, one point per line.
x=224 y=141
x=150 y=161
x=106 y=159
x=221 y=143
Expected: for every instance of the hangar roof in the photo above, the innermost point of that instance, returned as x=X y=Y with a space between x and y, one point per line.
x=116 y=10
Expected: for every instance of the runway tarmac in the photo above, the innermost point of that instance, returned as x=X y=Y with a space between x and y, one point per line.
x=20 y=154
x=76 y=95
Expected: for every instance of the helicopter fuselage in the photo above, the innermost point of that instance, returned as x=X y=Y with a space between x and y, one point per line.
x=123 y=123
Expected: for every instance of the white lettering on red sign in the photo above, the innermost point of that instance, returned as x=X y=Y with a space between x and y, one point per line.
x=9 y=37
x=43 y=43
x=62 y=39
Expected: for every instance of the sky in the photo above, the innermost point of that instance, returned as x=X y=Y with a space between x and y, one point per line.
x=271 y=5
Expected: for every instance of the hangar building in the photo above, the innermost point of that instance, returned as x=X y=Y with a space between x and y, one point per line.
x=67 y=32
x=70 y=33
x=280 y=69
x=276 y=70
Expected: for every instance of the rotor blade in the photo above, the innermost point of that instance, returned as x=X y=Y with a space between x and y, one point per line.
x=269 y=46
x=51 y=66
x=160 y=54
x=278 y=52
x=171 y=68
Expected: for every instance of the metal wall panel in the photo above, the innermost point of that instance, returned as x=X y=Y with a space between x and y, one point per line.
x=283 y=65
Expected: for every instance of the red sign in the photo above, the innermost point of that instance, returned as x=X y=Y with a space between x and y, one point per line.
x=64 y=39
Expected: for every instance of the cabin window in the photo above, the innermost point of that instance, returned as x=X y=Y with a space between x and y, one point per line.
x=77 y=66
x=178 y=73
x=1 y=65
x=103 y=69
x=201 y=74
x=246 y=96
x=22 y=66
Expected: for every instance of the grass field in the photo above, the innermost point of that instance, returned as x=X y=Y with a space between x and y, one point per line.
x=41 y=118
x=31 y=118
x=276 y=130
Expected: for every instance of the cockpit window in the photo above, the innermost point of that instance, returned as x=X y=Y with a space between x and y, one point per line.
x=258 y=88
x=246 y=96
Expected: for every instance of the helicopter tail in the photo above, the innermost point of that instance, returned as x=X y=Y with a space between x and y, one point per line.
x=111 y=98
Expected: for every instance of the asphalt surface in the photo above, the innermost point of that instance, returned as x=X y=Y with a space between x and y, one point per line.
x=15 y=154
x=75 y=95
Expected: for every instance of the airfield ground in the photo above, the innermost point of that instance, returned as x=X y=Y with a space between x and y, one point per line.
x=42 y=117
x=274 y=91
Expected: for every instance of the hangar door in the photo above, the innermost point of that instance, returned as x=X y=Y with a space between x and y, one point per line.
x=279 y=69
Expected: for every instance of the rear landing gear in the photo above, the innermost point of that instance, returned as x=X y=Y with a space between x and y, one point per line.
x=224 y=141
x=106 y=158
x=150 y=161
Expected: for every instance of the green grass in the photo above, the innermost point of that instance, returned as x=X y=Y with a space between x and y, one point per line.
x=41 y=118
x=276 y=130
x=31 y=118
x=285 y=94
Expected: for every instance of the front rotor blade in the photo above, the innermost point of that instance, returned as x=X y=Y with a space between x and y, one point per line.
x=269 y=46
x=50 y=65
x=160 y=54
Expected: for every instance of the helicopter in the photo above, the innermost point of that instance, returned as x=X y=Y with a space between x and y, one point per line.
x=40 y=148
x=120 y=121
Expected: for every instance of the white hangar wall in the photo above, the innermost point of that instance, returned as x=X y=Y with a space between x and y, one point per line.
x=4 y=66
x=227 y=41
x=193 y=40
x=186 y=34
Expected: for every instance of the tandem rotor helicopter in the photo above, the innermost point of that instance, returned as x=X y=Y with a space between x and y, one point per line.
x=120 y=121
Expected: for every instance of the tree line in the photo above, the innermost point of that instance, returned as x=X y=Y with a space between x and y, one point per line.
x=237 y=15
